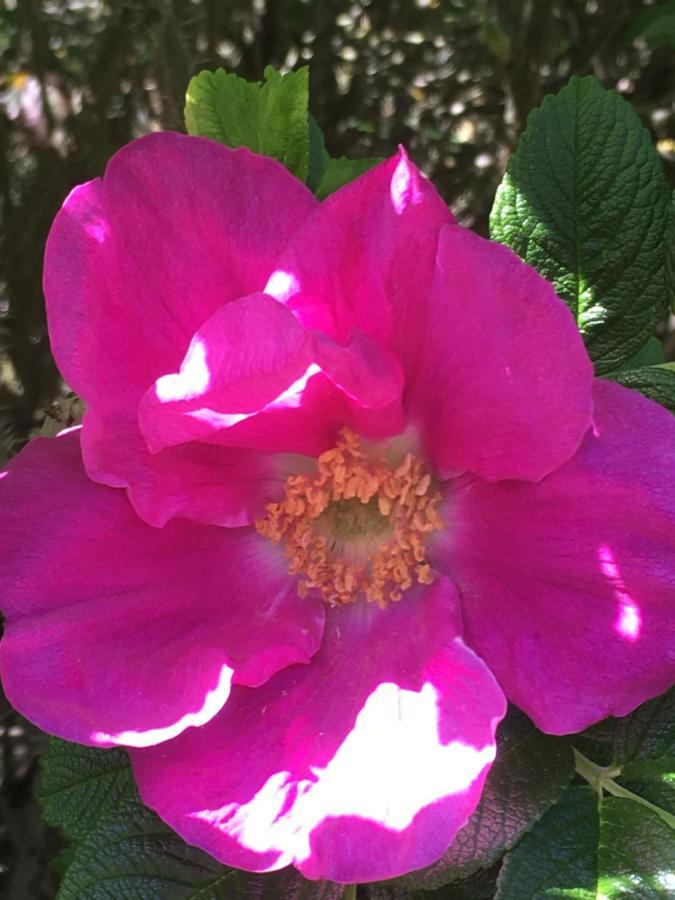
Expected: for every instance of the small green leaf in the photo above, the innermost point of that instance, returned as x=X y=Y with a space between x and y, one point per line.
x=270 y=118
x=530 y=773
x=318 y=155
x=339 y=172
x=78 y=785
x=584 y=200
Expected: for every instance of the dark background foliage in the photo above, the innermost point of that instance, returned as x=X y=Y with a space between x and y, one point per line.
x=451 y=79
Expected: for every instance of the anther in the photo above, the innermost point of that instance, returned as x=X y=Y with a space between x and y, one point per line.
x=358 y=505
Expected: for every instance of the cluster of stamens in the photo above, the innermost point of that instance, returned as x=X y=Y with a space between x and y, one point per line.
x=357 y=526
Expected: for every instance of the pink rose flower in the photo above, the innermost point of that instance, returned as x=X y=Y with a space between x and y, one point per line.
x=344 y=484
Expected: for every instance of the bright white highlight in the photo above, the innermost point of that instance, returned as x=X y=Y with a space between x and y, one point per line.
x=404 y=191
x=291 y=397
x=628 y=622
x=666 y=880
x=191 y=381
x=402 y=766
x=216 y=419
x=281 y=285
x=213 y=703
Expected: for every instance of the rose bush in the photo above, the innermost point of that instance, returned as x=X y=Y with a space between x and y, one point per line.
x=345 y=483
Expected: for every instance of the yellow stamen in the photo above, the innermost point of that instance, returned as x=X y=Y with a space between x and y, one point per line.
x=357 y=526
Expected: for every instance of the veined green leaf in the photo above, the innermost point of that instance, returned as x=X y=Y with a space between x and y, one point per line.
x=584 y=200
x=270 y=118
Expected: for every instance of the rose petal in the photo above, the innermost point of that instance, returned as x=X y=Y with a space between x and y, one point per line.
x=502 y=387
x=136 y=262
x=365 y=258
x=360 y=766
x=567 y=586
x=119 y=633
x=254 y=377
x=203 y=483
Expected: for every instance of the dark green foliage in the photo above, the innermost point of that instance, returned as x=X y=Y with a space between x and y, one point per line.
x=132 y=855
x=670 y=254
x=589 y=846
x=655 y=382
x=123 y=851
x=78 y=786
x=614 y=837
x=556 y=859
x=647 y=733
x=651 y=354
x=318 y=155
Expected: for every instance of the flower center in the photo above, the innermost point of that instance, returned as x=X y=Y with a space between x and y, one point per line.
x=357 y=526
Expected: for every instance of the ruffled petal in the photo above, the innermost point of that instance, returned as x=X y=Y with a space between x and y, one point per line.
x=362 y=765
x=365 y=259
x=119 y=633
x=567 y=586
x=502 y=387
x=138 y=260
x=201 y=482
x=254 y=377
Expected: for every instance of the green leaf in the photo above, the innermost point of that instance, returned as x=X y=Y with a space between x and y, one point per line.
x=653 y=779
x=341 y=171
x=318 y=155
x=651 y=354
x=558 y=857
x=646 y=733
x=655 y=382
x=670 y=253
x=636 y=856
x=530 y=773
x=123 y=850
x=584 y=200
x=132 y=855
x=78 y=785
x=614 y=837
x=589 y=847
x=643 y=746
x=270 y=118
